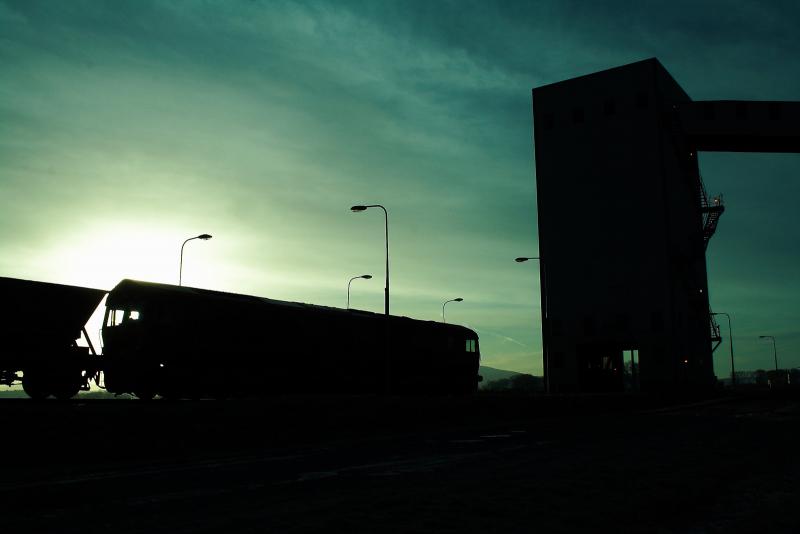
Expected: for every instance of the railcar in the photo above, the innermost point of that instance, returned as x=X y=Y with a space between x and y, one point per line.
x=180 y=342
x=40 y=325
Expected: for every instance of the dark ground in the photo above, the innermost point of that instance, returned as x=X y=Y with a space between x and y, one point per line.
x=488 y=464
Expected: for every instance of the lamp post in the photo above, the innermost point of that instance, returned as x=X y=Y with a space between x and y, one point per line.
x=730 y=332
x=459 y=299
x=386 y=220
x=204 y=237
x=364 y=276
x=545 y=317
x=774 y=349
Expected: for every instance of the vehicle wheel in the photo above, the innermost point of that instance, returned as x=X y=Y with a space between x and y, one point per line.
x=170 y=395
x=144 y=394
x=35 y=386
x=66 y=390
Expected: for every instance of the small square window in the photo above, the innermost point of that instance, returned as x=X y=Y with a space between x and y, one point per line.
x=774 y=111
x=641 y=100
x=657 y=321
x=709 y=112
x=741 y=110
x=589 y=326
x=556 y=327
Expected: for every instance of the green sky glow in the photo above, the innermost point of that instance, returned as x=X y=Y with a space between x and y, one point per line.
x=126 y=127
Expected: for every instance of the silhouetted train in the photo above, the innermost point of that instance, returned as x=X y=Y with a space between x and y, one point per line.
x=182 y=342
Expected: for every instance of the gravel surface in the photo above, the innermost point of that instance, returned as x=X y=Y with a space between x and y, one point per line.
x=488 y=464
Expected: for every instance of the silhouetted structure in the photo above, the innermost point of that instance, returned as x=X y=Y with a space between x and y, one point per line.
x=39 y=325
x=624 y=221
x=187 y=342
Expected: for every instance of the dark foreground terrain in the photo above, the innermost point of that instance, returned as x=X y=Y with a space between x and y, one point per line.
x=488 y=464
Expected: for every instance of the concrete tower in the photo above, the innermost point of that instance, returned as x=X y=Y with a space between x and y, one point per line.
x=624 y=221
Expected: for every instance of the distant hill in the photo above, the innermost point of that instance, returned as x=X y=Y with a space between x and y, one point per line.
x=490 y=374
x=17 y=393
x=499 y=380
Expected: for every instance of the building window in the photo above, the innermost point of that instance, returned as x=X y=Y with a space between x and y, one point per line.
x=588 y=326
x=556 y=327
x=709 y=113
x=641 y=100
x=623 y=322
x=741 y=110
x=774 y=111
x=657 y=321
x=470 y=345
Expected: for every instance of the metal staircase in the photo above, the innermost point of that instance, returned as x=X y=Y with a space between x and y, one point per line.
x=711 y=210
x=716 y=336
x=711 y=213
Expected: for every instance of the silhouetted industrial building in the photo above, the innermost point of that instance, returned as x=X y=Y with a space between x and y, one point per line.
x=624 y=221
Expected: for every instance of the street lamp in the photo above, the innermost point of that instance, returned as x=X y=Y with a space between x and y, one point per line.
x=386 y=219
x=730 y=331
x=545 y=317
x=364 y=276
x=774 y=349
x=204 y=237
x=459 y=299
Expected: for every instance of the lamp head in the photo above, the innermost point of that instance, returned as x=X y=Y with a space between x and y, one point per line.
x=366 y=276
x=520 y=260
x=358 y=208
x=459 y=299
x=204 y=237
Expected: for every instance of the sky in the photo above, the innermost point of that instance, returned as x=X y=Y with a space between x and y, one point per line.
x=127 y=127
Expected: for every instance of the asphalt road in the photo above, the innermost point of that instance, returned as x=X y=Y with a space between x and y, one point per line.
x=490 y=464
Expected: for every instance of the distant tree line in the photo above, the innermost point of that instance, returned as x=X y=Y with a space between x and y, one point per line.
x=762 y=378
x=520 y=383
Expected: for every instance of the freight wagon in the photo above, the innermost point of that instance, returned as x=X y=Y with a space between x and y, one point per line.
x=183 y=342
x=40 y=324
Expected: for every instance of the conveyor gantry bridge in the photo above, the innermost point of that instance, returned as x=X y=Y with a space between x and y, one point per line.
x=735 y=126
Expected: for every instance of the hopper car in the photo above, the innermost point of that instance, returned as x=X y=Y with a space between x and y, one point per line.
x=40 y=324
x=183 y=342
